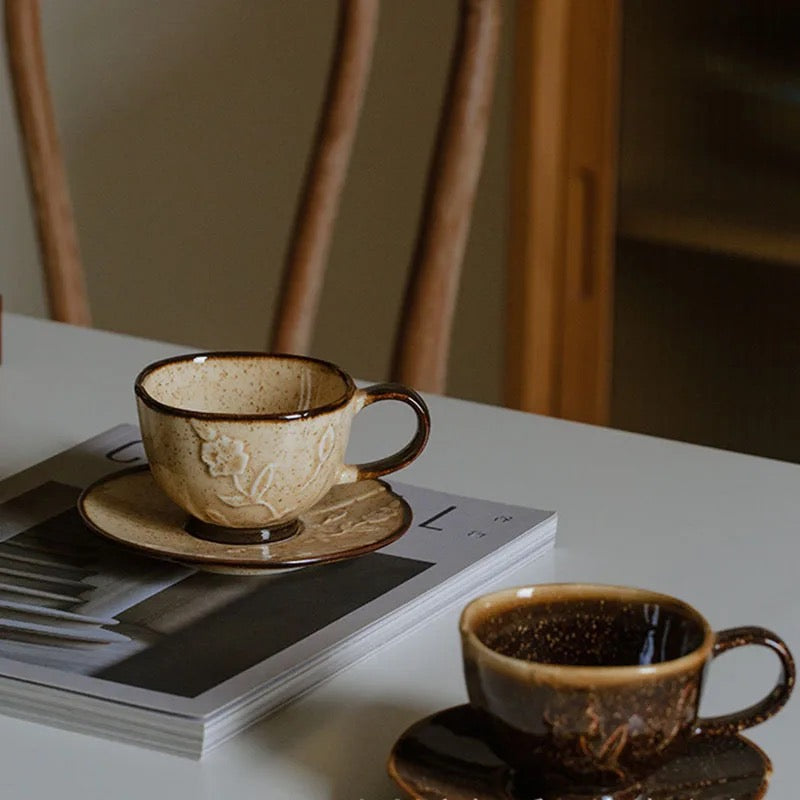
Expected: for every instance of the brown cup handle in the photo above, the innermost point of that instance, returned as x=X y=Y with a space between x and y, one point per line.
x=402 y=458
x=773 y=702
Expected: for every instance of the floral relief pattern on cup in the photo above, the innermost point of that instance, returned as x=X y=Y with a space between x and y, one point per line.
x=324 y=450
x=225 y=457
x=683 y=713
x=603 y=742
x=595 y=744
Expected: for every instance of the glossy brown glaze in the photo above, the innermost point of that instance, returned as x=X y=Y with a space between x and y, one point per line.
x=776 y=699
x=446 y=756
x=593 y=688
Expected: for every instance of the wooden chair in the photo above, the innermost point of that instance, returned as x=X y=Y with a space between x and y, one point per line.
x=423 y=338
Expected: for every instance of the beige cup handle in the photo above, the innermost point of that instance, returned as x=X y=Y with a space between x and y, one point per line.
x=402 y=458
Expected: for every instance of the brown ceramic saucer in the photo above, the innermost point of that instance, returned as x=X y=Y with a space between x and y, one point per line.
x=351 y=520
x=444 y=756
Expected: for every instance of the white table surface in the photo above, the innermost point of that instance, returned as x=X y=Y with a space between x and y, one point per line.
x=719 y=530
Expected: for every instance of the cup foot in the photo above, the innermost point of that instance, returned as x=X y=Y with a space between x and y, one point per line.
x=223 y=535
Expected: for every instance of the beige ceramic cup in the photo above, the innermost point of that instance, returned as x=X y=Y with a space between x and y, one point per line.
x=246 y=442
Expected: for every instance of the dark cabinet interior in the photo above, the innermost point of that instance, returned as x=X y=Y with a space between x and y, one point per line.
x=707 y=272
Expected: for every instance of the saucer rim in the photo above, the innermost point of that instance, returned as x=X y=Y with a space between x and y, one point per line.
x=261 y=563
x=391 y=764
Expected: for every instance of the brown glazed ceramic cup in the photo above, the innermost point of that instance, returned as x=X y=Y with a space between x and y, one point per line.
x=587 y=689
x=246 y=442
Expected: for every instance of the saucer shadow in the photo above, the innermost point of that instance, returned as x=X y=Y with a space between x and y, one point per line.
x=339 y=740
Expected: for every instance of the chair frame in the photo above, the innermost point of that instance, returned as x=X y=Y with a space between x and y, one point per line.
x=423 y=341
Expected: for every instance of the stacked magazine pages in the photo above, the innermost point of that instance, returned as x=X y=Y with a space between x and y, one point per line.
x=100 y=639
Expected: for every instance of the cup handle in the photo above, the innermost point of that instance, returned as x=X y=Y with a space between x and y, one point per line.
x=402 y=458
x=729 y=724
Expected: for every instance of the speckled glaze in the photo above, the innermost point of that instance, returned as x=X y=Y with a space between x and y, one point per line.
x=592 y=688
x=351 y=520
x=251 y=440
x=445 y=757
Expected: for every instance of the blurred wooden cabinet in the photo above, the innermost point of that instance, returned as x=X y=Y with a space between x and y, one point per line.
x=656 y=191
x=563 y=189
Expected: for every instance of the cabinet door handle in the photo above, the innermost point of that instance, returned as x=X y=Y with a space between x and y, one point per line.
x=584 y=205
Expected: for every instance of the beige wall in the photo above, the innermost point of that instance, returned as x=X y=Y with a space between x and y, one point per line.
x=186 y=125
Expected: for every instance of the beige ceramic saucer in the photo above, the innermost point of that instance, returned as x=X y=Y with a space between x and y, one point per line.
x=445 y=757
x=351 y=520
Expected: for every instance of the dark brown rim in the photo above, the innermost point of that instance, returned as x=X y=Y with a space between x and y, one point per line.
x=175 y=411
x=210 y=560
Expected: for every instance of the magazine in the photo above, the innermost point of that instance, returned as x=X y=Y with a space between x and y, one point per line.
x=98 y=638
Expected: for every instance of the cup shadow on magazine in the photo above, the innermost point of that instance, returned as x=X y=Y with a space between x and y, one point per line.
x=328 y=737
x=72 y=601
